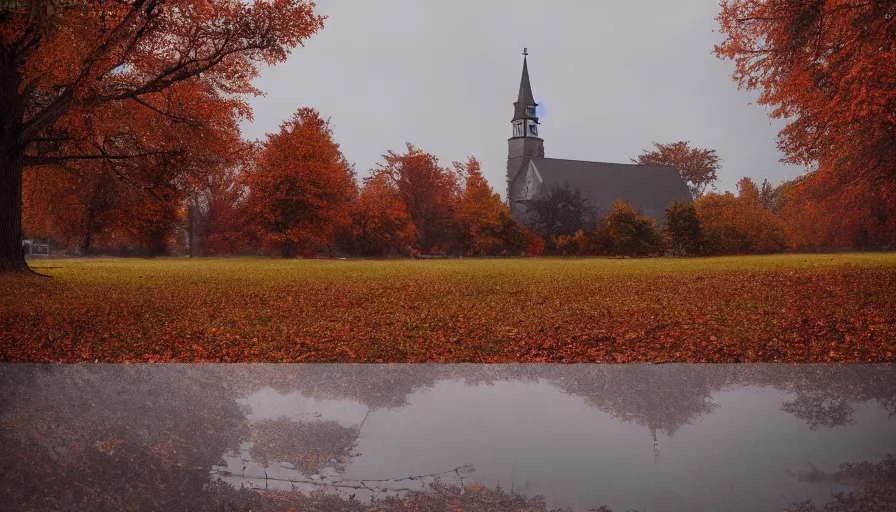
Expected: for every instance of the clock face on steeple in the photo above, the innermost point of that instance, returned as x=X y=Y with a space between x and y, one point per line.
x=532 y=128
x=518 y=128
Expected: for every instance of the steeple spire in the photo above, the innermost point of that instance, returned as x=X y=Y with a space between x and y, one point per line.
x=524 y=98
x=525 y=122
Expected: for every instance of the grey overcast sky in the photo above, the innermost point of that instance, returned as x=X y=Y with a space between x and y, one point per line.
x=612 y=76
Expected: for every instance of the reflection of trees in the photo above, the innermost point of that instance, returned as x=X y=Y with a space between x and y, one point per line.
x=827 y=395
x=112 y=437
x=136 y=437
x=820 y=409
x=309 y=446
x=662 y=398
x=375 y=386
x=876 y=485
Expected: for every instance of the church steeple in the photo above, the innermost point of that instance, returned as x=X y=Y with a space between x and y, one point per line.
x=524 y=145
x=525 y=122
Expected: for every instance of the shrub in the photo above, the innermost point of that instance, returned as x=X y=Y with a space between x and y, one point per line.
x=534 y=244
x=682 y=231
x=625 y=232
x=735 y=226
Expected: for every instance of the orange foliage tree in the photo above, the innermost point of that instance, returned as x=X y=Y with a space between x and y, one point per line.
x=828 y=67
x=300 y=193
x=380 y=220
x=71 y=75
x=432 y=194
x=485 y=225
x=624 y=231
x=64 y=210
x=698 y=167
x=134 y=201
x=739 y=224
x=833 y=212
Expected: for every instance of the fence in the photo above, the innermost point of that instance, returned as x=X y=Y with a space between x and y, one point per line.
x=33 y=248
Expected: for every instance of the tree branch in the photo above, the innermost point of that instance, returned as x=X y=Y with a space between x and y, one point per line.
x=190 y=122
x=58 y=107
x=53 y=160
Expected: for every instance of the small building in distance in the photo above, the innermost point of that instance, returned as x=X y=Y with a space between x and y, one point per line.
x=649 y=189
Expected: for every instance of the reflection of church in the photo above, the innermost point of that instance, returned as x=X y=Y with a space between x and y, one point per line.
x=529 y=174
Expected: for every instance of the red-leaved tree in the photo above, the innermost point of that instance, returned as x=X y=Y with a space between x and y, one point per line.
x=698 y=167
x=380 y=220
x=299 y=195
x=827 y=67
x=73 y=73
x=431 y=192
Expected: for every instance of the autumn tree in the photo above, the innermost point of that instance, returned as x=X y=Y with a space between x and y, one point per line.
x=827 y=67
x=748 y=193
x=216 y=213
x=770 y=197
x=300 y=192
x=682 y=231
x=380 y=220
x=579 y=243
x=221 y=223
x=561 y=211
x=698 y=167
x=70 y=212
x=62 y=64
x=836 y=212
x=533 y=244
x=739 y=224
x=430 y=192
x=624 y=231
x=485 y=225
x=138 y=201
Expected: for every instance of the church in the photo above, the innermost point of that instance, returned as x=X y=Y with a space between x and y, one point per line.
x=649 y=189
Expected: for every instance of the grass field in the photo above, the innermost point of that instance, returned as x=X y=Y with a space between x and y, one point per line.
x=761 y=308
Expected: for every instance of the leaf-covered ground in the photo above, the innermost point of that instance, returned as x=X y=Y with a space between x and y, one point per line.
x=761 y=308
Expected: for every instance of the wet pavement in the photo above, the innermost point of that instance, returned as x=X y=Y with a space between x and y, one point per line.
x=651 y=438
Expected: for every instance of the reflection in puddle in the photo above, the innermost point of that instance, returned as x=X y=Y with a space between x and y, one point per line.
x=300 y=443
x=634 y=437
x=641 y=445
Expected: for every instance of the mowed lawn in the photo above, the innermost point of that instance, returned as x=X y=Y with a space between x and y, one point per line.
x=760 y=308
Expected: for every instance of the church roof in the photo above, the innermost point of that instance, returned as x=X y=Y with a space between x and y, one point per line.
x=649 y=188
x=524 y=98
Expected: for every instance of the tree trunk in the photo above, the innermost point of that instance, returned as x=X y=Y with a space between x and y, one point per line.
x=192 y=251
x=289 y=250
x=88 y=236
x=12 y=255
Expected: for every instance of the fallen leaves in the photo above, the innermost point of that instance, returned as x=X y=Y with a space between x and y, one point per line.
x=774 y=308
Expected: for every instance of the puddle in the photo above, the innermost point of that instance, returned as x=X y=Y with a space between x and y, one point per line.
x=637 y=437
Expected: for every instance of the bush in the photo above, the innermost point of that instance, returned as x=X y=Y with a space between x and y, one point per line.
x=625 y=232
x=682 y=230
x=734 y=225
x=533 y=244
